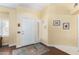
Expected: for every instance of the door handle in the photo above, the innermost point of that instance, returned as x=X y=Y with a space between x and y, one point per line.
x=18 y=32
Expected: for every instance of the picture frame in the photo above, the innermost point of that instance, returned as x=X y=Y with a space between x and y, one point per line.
x=56 y=22
x=66 y=26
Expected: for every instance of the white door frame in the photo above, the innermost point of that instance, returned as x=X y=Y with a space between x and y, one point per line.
x=18 y=42
x=78 y=31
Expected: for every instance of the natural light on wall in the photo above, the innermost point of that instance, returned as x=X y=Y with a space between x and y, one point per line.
x=4 y=26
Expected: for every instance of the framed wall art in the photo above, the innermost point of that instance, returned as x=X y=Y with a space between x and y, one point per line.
x=66 y=26
x=56 y=22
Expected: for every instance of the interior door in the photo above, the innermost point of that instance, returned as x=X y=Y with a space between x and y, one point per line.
x=29 y=31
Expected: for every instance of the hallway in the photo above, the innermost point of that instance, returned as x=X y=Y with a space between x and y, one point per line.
x=53 y=24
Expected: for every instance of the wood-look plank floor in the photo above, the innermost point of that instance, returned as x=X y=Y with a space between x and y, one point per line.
x=55 y=51
x=52 y=51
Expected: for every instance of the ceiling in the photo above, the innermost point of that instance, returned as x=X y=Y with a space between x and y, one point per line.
x=36 y=6
x=9 y=5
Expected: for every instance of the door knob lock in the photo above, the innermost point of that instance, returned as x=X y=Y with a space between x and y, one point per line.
x=18 y=32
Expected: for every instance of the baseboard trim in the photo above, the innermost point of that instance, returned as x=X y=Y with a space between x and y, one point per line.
x=68 y=49
x=10 y=45
x=13 y=47
x=25 y=45
x=5 y=45
x=44 y=43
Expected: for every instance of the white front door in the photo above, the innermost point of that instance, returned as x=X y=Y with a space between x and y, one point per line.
x=29 y=31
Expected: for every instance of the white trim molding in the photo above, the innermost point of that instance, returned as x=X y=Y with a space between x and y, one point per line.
x=12 y=45
x=68 y=49
x=44 y=42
